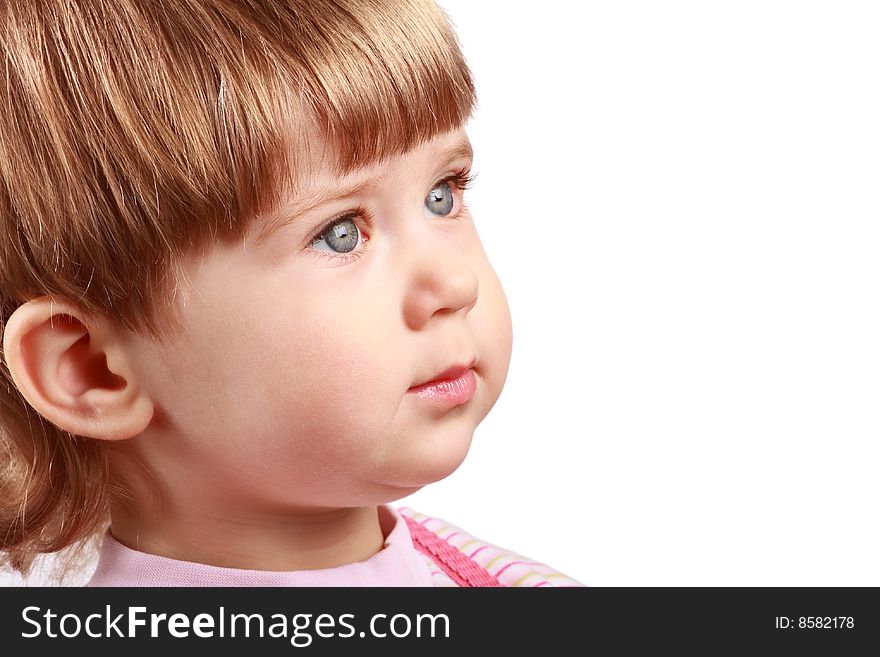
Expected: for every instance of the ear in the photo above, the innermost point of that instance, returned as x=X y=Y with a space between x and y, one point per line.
x=75 y=374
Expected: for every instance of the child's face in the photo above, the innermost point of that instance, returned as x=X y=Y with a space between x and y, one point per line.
x=290 y=384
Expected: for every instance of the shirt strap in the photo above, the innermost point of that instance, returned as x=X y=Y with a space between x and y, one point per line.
x=463 y=570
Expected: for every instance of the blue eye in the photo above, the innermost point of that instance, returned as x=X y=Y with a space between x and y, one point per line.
x=440 y=200
x=341 y=236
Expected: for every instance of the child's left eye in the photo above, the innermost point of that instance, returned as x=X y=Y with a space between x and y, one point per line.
x=440 y=200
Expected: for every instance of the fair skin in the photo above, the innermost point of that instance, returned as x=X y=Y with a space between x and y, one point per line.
x=280 y=416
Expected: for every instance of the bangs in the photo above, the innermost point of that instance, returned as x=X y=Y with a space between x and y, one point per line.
x=375 y=83
x=402 y=82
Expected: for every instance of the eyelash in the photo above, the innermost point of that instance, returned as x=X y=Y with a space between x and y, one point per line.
x=461 y=180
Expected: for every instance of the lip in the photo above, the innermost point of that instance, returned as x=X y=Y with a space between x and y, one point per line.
x=454 y=386
x=449 y=374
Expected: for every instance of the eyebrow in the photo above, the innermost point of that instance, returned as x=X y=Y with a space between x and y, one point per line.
x=461 y=149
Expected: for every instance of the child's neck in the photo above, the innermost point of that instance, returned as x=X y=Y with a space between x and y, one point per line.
x=314 y=540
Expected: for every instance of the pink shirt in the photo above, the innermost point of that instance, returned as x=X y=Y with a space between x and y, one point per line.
x=396 y=564
x=418 y=551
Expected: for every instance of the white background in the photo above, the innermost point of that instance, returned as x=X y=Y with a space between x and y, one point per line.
x=682 y=200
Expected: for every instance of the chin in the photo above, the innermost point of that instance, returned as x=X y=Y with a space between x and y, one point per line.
x=443 y=464
x=433 y=462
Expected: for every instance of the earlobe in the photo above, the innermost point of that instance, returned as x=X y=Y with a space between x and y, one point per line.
x=73 y=372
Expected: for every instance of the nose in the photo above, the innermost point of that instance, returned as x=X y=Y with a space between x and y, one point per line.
x=441 y=280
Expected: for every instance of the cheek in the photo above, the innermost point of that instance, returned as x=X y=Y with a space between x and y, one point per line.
x=492 y=316
x=326 y=347
x=330 y=379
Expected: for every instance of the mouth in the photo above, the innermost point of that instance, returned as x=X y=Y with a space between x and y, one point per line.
x=453 y=386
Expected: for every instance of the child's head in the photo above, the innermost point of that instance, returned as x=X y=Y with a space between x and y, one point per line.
x=232 y=242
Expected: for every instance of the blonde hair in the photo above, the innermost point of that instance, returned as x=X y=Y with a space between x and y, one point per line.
x=136 y=131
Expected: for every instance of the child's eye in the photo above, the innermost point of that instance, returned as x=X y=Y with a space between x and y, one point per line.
x=440 y=200
x=341 y=236
x=342 y=239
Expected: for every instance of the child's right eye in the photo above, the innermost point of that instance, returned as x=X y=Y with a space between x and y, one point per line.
x=340 y=238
